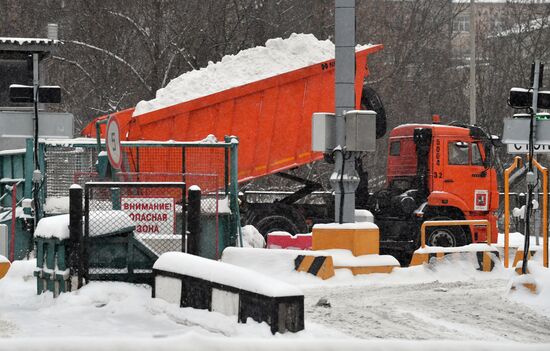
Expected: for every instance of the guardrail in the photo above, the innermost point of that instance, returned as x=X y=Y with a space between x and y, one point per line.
x=544 y=228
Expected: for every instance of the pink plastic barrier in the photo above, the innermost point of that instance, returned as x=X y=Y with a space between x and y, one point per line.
x=284 y=240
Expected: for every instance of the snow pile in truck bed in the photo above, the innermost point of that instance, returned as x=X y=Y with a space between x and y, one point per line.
x=276 y=57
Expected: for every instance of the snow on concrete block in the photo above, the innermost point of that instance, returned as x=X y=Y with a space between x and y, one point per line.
x=485 y=255
x=364 y=216
x=229 y=289
x=252 y=237
x=271 y=261
x=365 y=264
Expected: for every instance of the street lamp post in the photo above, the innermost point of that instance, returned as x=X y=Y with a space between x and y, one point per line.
x=35 y=94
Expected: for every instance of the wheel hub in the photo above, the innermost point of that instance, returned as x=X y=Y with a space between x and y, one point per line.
x=442 y=237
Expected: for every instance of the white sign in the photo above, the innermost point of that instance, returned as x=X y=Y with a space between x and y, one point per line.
x=522 y=149
x=152 y=215
x=481 y=200
x=112 y=139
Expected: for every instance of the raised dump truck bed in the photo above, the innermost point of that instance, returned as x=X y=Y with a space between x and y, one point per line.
x=271 y=117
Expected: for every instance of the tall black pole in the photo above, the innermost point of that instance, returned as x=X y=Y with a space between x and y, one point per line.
x=194 y=220
x=36 y=176
x=531 y=177
x=75 y=229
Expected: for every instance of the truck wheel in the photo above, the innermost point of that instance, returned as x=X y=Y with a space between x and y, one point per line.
x=445 y=236
x=276 y=223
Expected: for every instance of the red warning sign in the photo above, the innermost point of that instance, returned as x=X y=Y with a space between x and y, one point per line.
x=152 y=215
x=481 y=200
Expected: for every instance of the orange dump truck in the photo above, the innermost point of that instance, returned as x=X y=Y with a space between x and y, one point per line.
x=272 y=119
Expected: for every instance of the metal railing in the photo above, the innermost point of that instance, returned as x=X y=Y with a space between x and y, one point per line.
x=544 y=229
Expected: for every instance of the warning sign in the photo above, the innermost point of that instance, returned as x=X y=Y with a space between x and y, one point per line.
x=112 y=140
x=152 y=215
x=481 y=200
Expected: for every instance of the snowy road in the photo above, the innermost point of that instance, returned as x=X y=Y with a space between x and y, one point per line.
x=472 y=310
x=438 y=303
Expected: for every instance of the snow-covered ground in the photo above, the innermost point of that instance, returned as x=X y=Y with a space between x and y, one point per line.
x=448 y=305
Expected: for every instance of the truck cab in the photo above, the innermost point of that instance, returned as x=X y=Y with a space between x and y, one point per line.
x=437 y=172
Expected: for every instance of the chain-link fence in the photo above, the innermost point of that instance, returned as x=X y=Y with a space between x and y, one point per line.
x=75 y=162
x=67 y=164
x=128 y=225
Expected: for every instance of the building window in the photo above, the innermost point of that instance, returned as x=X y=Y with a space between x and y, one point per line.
x=461 y=24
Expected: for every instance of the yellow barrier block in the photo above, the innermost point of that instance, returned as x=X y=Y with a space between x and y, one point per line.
x=419 y=258
x=320 y=266
x=528 y=282
x=369 y=269
x=519 y=256
x=487 y=262
x=4 y=267
x=359 y=238
x=484 y=258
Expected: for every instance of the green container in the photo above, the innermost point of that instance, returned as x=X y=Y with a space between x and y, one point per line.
x=23 y=239
x=52 y=270
x=120 y=257
x=207 y=240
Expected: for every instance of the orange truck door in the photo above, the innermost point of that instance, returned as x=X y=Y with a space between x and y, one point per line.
x=464 y=176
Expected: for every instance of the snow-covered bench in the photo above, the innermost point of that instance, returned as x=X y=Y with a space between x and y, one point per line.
x=193 y=281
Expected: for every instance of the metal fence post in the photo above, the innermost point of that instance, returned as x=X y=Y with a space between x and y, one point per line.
x=13 y=220
x=83 y=252
x=28 y=168
x=234 y=190
x=75 y=228
x=115 y=198
x=194 y=219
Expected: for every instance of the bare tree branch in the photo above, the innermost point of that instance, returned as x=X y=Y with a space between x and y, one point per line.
x=76 y=64
x=116 y=57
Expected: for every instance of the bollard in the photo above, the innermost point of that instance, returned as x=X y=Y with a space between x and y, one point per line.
x=193 y=219
x=75 y=231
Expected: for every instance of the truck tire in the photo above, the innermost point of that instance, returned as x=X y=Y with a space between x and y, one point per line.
x=445 y=236
x=276 y=223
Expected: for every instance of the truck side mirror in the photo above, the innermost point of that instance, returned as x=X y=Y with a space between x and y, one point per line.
x=488 y=155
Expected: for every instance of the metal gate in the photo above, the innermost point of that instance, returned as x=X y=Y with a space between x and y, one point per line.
x=128 y=225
